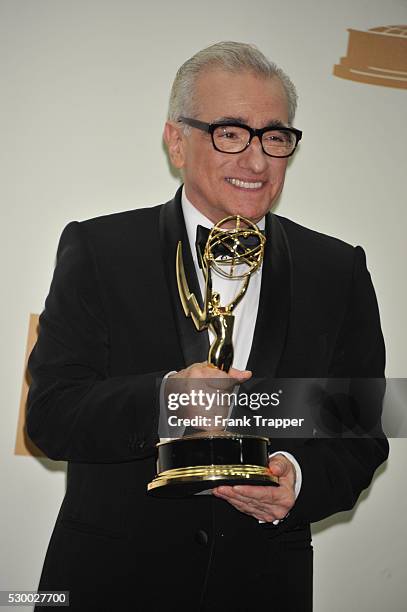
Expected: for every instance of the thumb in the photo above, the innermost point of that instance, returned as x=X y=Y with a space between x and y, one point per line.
x=279 y=465
x=240 y=375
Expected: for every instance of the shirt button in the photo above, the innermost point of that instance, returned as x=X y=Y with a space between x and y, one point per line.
x=201 y=537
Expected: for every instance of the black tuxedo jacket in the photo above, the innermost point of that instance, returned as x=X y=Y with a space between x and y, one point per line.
x=111 y=328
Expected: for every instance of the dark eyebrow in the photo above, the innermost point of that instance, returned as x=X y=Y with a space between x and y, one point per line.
x=276 y=123
x=273 y=123
x=230 y=119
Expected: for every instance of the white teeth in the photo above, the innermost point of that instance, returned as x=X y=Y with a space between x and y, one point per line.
x=245 y=184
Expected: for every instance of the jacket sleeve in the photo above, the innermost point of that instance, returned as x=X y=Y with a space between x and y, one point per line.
x=337 y=467
x=76 y=411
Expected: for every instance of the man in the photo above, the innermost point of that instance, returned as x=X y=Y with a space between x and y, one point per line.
x=113 y=329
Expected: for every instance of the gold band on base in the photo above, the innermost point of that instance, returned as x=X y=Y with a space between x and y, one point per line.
x=201 y=473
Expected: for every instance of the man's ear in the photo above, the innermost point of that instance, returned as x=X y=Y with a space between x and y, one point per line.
x=175 y=141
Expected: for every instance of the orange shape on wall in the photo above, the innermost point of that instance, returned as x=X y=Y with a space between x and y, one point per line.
x=24 y=446
x=377 y=56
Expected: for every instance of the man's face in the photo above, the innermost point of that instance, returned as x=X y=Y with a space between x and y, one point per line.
x=221 y=184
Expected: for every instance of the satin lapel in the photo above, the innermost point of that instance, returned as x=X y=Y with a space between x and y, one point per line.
x=194 y=344
x=274 y=307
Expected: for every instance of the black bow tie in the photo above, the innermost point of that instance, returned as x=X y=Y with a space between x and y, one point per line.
x=220 y=249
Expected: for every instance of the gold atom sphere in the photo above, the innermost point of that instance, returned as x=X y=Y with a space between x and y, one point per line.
x=235 y=247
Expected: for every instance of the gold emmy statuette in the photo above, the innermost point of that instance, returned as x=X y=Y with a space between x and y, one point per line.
x=194 y=463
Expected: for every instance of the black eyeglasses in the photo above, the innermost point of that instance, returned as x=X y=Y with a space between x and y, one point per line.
x=232 y=137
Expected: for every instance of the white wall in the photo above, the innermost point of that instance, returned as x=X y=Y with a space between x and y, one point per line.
x=84 y=88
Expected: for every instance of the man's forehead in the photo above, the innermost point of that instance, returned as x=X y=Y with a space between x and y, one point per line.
x=209 y=75
x=231 y=96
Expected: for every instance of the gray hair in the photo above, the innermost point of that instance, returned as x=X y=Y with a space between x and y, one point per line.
x=232 y=57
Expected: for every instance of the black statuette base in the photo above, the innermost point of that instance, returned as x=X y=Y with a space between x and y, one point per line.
x=196 y=463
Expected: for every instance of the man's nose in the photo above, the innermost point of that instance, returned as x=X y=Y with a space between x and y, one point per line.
x=253 y=157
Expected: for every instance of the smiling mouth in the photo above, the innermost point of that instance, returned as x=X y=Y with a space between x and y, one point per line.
x=245 y=184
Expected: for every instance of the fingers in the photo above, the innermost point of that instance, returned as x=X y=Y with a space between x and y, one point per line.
x=196 y=370
x=263 y=503
x=249 y=506
x=199 y=389
x=240 y=375
x=252 y=493
x=205 y=370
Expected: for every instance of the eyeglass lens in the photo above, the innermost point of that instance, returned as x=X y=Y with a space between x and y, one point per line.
x=233 y=139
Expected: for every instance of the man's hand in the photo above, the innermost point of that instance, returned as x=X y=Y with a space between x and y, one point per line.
x=208 y=390
x=265 y=503
x=204 y=370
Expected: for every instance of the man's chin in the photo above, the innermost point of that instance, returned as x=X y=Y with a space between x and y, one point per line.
x=251 y=212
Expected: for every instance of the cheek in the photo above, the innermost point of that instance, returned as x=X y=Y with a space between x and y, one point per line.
x=278 y=174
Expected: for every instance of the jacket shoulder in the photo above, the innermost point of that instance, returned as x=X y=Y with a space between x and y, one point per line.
x=118 y=234
x=305 y=235
x=312 y=248
x=121 y=221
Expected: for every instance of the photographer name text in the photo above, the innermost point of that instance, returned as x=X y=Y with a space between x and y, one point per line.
x=256 y=420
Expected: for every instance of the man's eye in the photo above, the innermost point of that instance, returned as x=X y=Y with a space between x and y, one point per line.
x=277 y=137
x=229 y=134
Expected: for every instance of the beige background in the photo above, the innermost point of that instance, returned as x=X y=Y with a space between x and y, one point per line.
x=84 y=87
